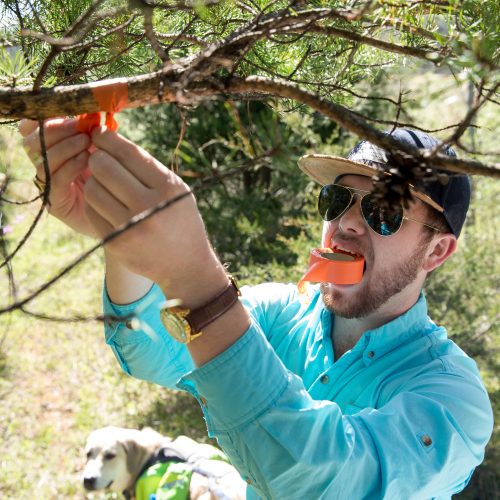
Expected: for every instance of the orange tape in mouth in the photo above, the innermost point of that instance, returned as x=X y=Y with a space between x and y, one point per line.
x=332 y=266
x=111 y=99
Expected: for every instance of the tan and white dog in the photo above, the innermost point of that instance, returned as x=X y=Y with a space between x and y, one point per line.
x=117 y=456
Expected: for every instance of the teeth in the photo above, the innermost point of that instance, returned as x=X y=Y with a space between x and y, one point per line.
x=338 y=247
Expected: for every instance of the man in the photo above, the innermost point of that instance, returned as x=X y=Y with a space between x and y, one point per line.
x=354 y=394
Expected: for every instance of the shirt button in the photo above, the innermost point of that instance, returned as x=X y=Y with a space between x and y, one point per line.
x=128 y=324
x=426 y=440
x=371 y=354
x=324 y=379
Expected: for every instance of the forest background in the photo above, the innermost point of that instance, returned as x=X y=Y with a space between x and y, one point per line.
x=58 y=380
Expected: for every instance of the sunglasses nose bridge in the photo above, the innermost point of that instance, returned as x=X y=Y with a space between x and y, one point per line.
x=353 y=201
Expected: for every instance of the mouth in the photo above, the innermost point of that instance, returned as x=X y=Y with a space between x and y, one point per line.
x=340 y=249
x=346 y=251
x=351 y=253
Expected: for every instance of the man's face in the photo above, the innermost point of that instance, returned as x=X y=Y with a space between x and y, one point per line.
x=393 y=263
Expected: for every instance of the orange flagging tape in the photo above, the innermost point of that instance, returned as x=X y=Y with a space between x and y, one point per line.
x=111 y=99
x=333 y=266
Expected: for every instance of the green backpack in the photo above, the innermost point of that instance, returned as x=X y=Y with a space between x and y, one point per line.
x=165 y=481
x=169 y=477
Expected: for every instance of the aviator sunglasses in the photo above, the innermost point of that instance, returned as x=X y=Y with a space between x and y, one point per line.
x=334 y=200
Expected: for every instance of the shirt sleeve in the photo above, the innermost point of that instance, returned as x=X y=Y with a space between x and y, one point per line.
x=424 y=443
x=140 y=342
x=145 y=350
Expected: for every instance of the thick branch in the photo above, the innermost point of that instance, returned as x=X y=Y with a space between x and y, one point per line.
x=145 y=89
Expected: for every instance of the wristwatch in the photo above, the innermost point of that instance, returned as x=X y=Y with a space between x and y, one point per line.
x=185 y=325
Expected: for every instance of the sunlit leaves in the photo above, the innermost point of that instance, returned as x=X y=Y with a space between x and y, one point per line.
x=15 y=70
x=101 y=49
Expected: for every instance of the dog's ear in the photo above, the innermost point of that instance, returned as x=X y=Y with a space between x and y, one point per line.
x=137 y=456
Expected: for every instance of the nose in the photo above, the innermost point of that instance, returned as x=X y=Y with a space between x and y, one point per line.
x=351 y=221
x=89 y=483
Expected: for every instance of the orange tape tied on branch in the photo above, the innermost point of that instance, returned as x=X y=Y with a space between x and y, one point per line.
x=111 y=99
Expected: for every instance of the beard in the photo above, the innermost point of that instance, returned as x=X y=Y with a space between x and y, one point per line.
x=384 y=285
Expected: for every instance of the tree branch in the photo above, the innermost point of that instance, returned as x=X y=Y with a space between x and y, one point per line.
x=428 y=55
x=350 y=121
x=142 y=90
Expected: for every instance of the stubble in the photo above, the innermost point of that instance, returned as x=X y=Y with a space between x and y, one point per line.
x=387 y=283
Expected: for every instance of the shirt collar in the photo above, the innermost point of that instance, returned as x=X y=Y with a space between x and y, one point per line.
x=379 y=341
x=385 y=338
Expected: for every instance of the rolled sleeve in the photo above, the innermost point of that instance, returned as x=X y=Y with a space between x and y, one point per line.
x=141 y=344
x=244 y=369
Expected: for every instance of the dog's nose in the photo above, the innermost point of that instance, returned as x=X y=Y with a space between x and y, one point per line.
x=89 y=483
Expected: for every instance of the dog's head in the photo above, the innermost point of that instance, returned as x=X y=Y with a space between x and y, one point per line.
x=115 y=457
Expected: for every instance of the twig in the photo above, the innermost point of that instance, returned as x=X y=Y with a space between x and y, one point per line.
x=69 y=43
x=45 y=199
x=132 y=222
x=150 y=34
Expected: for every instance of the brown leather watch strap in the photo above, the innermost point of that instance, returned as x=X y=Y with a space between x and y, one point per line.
x=202 y=316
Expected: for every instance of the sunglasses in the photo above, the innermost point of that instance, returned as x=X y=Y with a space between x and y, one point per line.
x=334 y=200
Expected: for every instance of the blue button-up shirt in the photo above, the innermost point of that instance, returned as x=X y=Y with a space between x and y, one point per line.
x=403 y=414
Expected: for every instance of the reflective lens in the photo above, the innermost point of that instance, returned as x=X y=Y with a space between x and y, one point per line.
x=334 y=200
x=382 y=221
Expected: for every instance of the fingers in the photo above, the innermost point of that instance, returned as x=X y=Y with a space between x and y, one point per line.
x=101 y=226
x=54 y=131
x=63 y=151
x=120 y=182
x=27 y=126
x=62 y=141
x=66 y=186
x=73 y=168
x=138 y=162
x=104 y=204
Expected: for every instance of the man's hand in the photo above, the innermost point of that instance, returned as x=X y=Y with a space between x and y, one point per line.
x=99 y=191
x=171 y=247
x=67 y=154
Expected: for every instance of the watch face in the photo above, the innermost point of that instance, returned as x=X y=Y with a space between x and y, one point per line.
x=176 y=325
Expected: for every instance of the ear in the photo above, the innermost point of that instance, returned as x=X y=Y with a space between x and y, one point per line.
x=137 y=456
x=440 y=248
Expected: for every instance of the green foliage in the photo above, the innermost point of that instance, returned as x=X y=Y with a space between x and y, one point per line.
x=474 y=36
x=465 y=32
x=256 y=200
x=14 y=68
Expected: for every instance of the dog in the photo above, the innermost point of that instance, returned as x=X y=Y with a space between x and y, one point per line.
x=117 y=457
